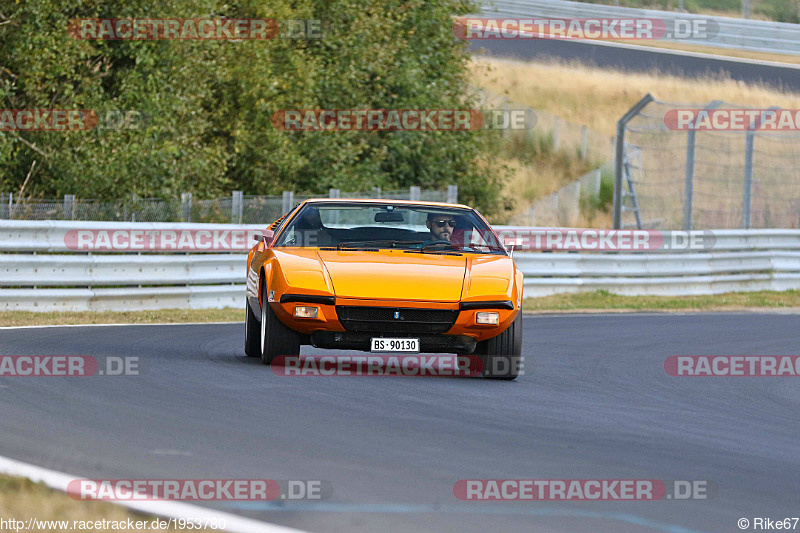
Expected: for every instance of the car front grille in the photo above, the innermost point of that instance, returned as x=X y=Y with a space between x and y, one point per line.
x=395 y=319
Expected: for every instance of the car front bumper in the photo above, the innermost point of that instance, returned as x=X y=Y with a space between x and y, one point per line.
x=355 y=340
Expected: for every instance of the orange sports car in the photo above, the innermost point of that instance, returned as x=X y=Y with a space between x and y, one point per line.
x=384 y=276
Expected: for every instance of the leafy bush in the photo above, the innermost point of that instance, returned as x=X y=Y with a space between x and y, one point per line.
x=207 y=104
x=781 y=10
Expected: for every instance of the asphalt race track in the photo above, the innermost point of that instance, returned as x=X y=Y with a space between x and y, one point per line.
x=596 y=403
x=641 y=58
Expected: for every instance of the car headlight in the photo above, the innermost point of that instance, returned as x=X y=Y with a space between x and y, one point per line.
x=302 y=311
x=490 y=319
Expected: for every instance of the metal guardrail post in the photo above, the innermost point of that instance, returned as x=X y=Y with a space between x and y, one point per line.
x=376 y=192
x=186 y=206
x=688 y=187
x=5 y=205
x=620 y=156
x=691 y=140
x=287 y=201
x=748 y=171
x=237 y=202
x=452 y=194
x=415 y=193
x=598 y=180
x=584 y=140
x=69 y=207
x=748 y=178
x=335 y=193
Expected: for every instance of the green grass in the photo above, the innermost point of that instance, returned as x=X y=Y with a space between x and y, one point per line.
x=22 y=499
x=603 y=200
x=584 y=301
x=531 y=147
x=605 y=301
x=163 y=316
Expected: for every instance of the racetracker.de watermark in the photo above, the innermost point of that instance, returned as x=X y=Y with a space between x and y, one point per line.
x=182 y=29
x=160 y=240
x=597 y=240
x=733 y=119
x=70 y=119
x=582 y=489
x=733 y=365
x=402 y=119
x=611 y=28
x=408 y=365
x=71 y=366
x=199 y=489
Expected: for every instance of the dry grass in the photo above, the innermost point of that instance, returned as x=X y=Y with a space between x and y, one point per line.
x=543 y=175
x=599 y=97
x=604 y=301
x=731 y=14
x=21 y=499
x=163 y=316
x=746 y=54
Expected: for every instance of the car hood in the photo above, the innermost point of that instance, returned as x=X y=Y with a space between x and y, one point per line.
x=395 y=275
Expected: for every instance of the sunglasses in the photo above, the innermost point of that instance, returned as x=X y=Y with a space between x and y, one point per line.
x=441 y=223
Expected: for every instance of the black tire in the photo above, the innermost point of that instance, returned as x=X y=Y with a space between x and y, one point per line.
x=502 y=355
x=252 y=332
x=274 y=337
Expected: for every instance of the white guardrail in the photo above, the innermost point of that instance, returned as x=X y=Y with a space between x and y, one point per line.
x=40 y=272
x=733 y=33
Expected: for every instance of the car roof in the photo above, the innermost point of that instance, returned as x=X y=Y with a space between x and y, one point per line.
x=385 y=201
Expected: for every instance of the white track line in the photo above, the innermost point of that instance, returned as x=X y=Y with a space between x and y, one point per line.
x=60 y=481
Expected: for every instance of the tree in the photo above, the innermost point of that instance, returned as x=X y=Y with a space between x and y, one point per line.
x=206 y=104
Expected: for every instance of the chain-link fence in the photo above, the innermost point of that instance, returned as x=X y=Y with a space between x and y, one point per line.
x=236 y=209
x=707 y=166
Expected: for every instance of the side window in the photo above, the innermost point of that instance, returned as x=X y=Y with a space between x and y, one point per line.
x=288 y=237
x=476 y=238
x=278 y=224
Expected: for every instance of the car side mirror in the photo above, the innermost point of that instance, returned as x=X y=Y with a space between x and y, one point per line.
x=512 y=243
x=265 y=236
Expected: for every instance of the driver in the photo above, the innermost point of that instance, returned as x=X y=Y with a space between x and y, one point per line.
x=441 y=226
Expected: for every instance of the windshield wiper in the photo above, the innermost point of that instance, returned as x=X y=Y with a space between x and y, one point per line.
x=492 y=248
x=440 y=245
x=386 y=242
x=450 y=246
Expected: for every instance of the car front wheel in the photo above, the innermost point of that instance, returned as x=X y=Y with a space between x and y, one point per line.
x=502 y=355
x=276 y=338
x=252 y=332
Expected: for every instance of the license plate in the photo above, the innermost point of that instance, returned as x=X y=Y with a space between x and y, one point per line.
x=394 y=345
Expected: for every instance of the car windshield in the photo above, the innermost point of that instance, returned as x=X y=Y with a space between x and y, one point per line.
x=416 y=228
